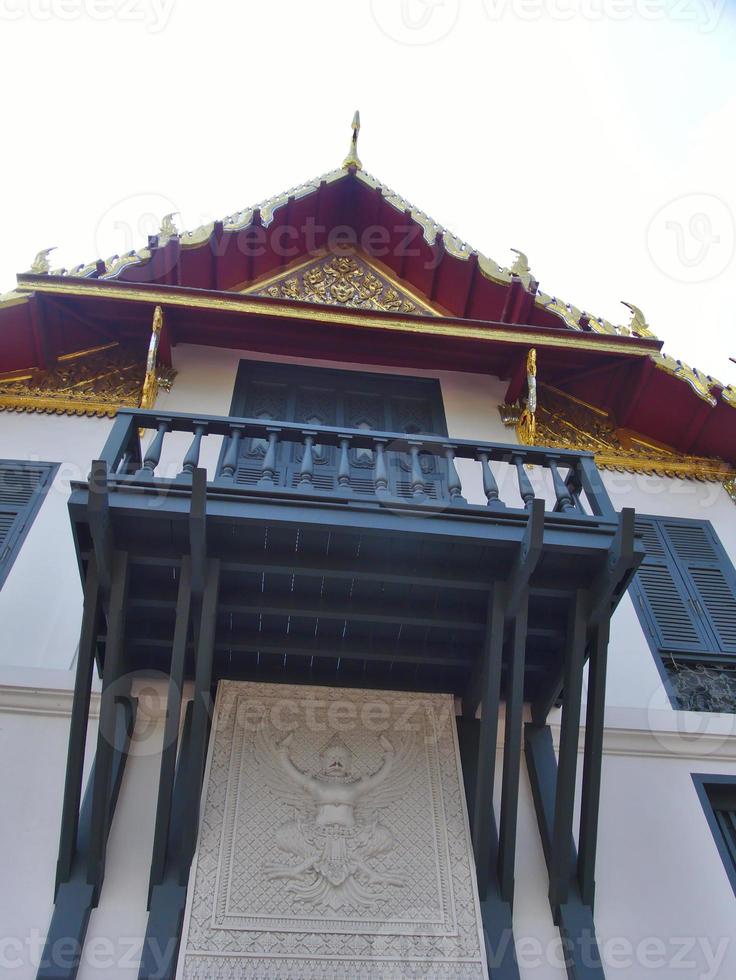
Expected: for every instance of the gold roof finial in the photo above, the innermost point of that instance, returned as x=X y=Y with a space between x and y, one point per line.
x=638 y=325
x=352 y=159
x=41 y=264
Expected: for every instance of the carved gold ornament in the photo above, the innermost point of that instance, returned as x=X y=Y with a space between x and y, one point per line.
x=638 y=326
x=565 y=422
x=96 y=381
x=342 y=280
x=527 y=424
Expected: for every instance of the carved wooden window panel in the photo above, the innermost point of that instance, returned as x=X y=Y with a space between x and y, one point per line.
x=343 y=399
x=685 y=591
x=23 y=487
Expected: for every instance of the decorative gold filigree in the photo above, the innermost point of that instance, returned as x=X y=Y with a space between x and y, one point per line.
x=568 y=423
x=342 y=280
x=84 y=383
x=150 y=382
x=730 y=488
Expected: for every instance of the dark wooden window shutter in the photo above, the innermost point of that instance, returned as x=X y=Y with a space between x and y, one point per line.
x=22 y=489
x=685 y=589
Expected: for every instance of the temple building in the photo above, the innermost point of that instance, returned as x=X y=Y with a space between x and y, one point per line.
x=367 y=612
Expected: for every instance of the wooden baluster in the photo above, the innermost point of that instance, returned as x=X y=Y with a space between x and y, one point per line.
x=564 y=498
x=490 y=487
x=417 y=477
x=153 y=453
x=343 y=470
x=454 y=485
x=306 y=473
x=380 y=472
x=191 y=460
x=268 y=469
x=230 y=463
x=526 y=490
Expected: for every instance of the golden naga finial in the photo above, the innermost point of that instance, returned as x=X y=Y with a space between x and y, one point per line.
x=638 y=325
x=352 y=159
x=520 y=267
x=168 y=227
x=41 y=264
x=527 y=427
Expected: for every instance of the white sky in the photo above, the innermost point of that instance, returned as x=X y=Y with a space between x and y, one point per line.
x=598 y=136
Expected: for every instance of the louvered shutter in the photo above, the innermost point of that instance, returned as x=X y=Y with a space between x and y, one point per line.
x=710 y=577
x=660 y=592
x=22 y=486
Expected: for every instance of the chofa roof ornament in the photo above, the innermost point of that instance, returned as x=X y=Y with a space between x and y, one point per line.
x=41 y=264
x=352 y=159
x=638 y=325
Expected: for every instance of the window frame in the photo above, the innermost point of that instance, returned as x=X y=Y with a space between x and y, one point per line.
x=706 y=786
x=10 y=549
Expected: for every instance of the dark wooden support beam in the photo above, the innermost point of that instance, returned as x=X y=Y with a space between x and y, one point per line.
x=484 y=822
x=171 y=727
x=527 y=559
x=78 y=726
x=621 y=559
x=201 y=711
x=512 y=753
x=632 y=398
x=517 y=381
x=559 y=867
x=75 y=895
x=574 y=918
x=114 y=686
x=66 y=310
x=495 y=912
x=98 y=510
x=592 y=763
x=168 y=897
x=198 y=530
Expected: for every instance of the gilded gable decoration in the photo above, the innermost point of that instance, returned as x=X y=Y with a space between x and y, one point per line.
x=342 y=280
x=565 y=422
x=93 y=382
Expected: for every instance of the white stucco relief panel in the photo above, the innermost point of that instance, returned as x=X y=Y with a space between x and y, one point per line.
x=334 y=840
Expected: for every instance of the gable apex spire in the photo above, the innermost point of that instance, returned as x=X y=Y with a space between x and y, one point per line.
x=352 y=159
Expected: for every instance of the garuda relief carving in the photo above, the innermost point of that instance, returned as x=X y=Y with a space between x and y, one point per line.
x=342 y=280
x=336 y=834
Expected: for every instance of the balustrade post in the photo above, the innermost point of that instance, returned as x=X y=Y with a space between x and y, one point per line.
x=380 y=472
x=490 y=487
x=153 y=453
x=343 y=469
x=454 y=484
x=268 y=469
x=191 y=460
x=562 y=493
x=417 y=477
x=526 y=490
x=306 y=472
x=230 y=463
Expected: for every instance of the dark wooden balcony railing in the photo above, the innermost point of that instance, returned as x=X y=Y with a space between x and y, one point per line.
x=401 y=469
